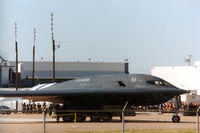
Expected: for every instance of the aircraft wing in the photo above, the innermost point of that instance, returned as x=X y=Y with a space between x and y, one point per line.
x=89 y=94
x=34 y=95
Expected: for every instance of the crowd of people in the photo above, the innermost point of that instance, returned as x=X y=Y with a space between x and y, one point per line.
x=168 y=106
x=190 y=106
x=33 y=108
x=38 y=108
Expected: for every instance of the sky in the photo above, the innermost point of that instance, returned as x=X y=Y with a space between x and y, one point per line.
x=147 y=32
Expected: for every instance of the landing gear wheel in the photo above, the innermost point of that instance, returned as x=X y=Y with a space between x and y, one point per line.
x=68 y=118
x=107 y=118
x=57 y=118
x=175 y=119
x=95 y=119
x=80 y=118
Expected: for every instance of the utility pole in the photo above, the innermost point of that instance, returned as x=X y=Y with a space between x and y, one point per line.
x=16 y=64
x=53 y=45
x=33 y=72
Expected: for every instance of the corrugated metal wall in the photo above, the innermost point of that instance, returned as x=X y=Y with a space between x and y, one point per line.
x=0 y=76
x=71 y=69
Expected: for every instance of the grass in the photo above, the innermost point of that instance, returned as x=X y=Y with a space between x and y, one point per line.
x=140 y=131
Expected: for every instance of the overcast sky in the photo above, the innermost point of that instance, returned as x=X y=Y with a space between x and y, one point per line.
x=147 y=32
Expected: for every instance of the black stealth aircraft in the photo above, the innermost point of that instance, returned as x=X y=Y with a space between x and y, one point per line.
x=102 y=97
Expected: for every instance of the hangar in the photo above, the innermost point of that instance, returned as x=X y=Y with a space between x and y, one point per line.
x=184 y=77
x=64 y=71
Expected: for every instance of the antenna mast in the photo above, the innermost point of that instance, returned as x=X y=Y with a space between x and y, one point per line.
x=33 y=72
x=16 y=64
x=53 y=45
x=189 y=60
x=16 y=51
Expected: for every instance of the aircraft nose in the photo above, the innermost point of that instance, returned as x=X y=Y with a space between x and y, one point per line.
x=175 y=91
x=178 y=91
x=181 y=91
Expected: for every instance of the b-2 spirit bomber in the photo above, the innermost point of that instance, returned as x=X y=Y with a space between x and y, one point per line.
x=104 y=96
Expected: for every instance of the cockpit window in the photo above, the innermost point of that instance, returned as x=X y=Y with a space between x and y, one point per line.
x=166 y=83
x=158 y=82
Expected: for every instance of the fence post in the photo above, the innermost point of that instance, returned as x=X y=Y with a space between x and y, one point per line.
x=123 y=116
x=198 y=119
x=44 y=121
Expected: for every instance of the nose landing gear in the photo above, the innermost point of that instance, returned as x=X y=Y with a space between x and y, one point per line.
x=176 y=119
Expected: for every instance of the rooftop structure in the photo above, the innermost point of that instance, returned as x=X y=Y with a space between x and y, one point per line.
x=5 y=72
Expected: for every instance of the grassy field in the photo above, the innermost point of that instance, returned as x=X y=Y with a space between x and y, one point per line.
x=141 y=131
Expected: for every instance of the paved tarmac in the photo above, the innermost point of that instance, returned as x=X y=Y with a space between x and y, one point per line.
x=25 y=123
